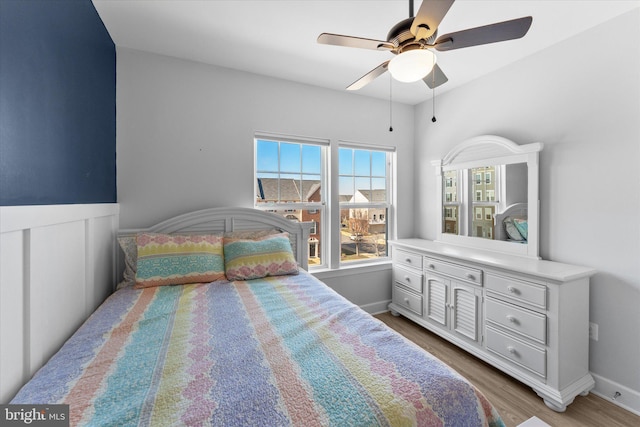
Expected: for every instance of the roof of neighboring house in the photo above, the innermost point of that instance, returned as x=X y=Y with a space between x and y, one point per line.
x=291 y=190
x=374 y=195
x=294 y=190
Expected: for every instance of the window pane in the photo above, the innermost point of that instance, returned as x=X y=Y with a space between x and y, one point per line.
x=379 y=191
x=484 y=189
x=363 y=190
x=363 y=234
x=379 y=164
x=483 y=221
x=267 y=156
x=451 y=186
x=311 y=161
x=345 y=161
x=290 y=157
x=290 y=188
x=450 y=224
x=346 y=188
x=362 y=162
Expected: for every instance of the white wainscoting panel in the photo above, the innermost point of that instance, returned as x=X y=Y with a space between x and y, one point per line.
x=57 y=264
x=12 y=328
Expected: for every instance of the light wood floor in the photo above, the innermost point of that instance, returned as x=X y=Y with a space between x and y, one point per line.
x=514 y=401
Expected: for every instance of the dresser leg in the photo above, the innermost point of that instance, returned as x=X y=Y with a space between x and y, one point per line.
x=555 y=407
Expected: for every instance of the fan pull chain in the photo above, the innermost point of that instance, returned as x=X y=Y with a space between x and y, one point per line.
x=433 y=88
x=390 y=105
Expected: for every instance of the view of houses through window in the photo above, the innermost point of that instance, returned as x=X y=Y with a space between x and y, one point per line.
x=290 y=179
x=363 y=203
x=478 y=198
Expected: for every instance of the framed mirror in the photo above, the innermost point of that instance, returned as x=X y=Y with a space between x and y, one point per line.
x=488 y=195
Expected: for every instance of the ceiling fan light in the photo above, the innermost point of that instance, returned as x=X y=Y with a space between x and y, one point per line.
x=412 y=65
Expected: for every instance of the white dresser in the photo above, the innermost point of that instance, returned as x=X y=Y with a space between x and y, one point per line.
x=527 y=317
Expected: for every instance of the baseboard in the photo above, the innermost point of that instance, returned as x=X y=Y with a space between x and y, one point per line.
x=376 y=307
x=628 y=399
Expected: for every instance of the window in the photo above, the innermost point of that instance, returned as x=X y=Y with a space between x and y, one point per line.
x=290 y=180
x=364 y=203
x=473 y=194
x=450 y=205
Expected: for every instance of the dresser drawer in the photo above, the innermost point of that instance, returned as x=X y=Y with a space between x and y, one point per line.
x=516 y=351
x=412 y=279
x=408 y=300
x=518 y=290
x=528 y=323
x=468 y=274
x=407 y=258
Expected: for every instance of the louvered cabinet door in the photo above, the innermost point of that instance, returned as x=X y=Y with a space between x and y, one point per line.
x=437 y=300
x=465 y=310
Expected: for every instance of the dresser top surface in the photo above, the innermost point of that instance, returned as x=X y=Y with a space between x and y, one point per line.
x=542 y=268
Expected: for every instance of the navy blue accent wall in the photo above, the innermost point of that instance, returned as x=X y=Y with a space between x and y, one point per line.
x=57 y=104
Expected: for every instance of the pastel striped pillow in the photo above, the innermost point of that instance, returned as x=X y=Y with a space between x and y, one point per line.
x=246 y=259
x=165 y=259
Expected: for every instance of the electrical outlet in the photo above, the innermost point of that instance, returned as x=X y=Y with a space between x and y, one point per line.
x=593 y=331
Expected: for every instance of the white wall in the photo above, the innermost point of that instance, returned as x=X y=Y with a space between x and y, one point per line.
x=581 y=98
x=185 y=137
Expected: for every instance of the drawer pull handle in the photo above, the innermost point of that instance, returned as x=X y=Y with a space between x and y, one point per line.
x=408 y=260
x=471 y=277
x=431 y=266
x=512 y=319
x=512 y=350
x=512 y=289
x=407 y=278
x=406 y=300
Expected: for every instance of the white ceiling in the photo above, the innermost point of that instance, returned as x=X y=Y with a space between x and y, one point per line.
x=278 y=38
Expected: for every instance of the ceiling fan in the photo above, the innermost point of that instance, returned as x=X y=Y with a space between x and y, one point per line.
x=413 y=39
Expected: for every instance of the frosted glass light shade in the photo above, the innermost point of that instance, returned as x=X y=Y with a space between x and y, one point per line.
x=412 y=65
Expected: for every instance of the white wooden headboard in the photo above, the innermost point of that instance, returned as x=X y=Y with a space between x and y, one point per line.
x=231 y=219
x=517 y=210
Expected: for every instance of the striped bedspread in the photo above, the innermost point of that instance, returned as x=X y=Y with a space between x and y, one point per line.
x=268 y=352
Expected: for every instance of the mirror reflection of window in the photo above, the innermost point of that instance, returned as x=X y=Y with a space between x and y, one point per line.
x=485 y=187
x=499 y=176
x=472 y=197
x=451 y=198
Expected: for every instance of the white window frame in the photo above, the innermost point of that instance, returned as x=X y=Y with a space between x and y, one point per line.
x=388 y=204
x=330 y=247
x=310 y=206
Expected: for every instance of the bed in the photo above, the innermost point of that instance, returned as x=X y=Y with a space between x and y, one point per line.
x=282 y=349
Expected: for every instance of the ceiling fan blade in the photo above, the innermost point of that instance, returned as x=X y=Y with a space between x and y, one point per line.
x=501 y=31
x=429 y=17
x=349 y=41
x=369 y=77
x=435 y=78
